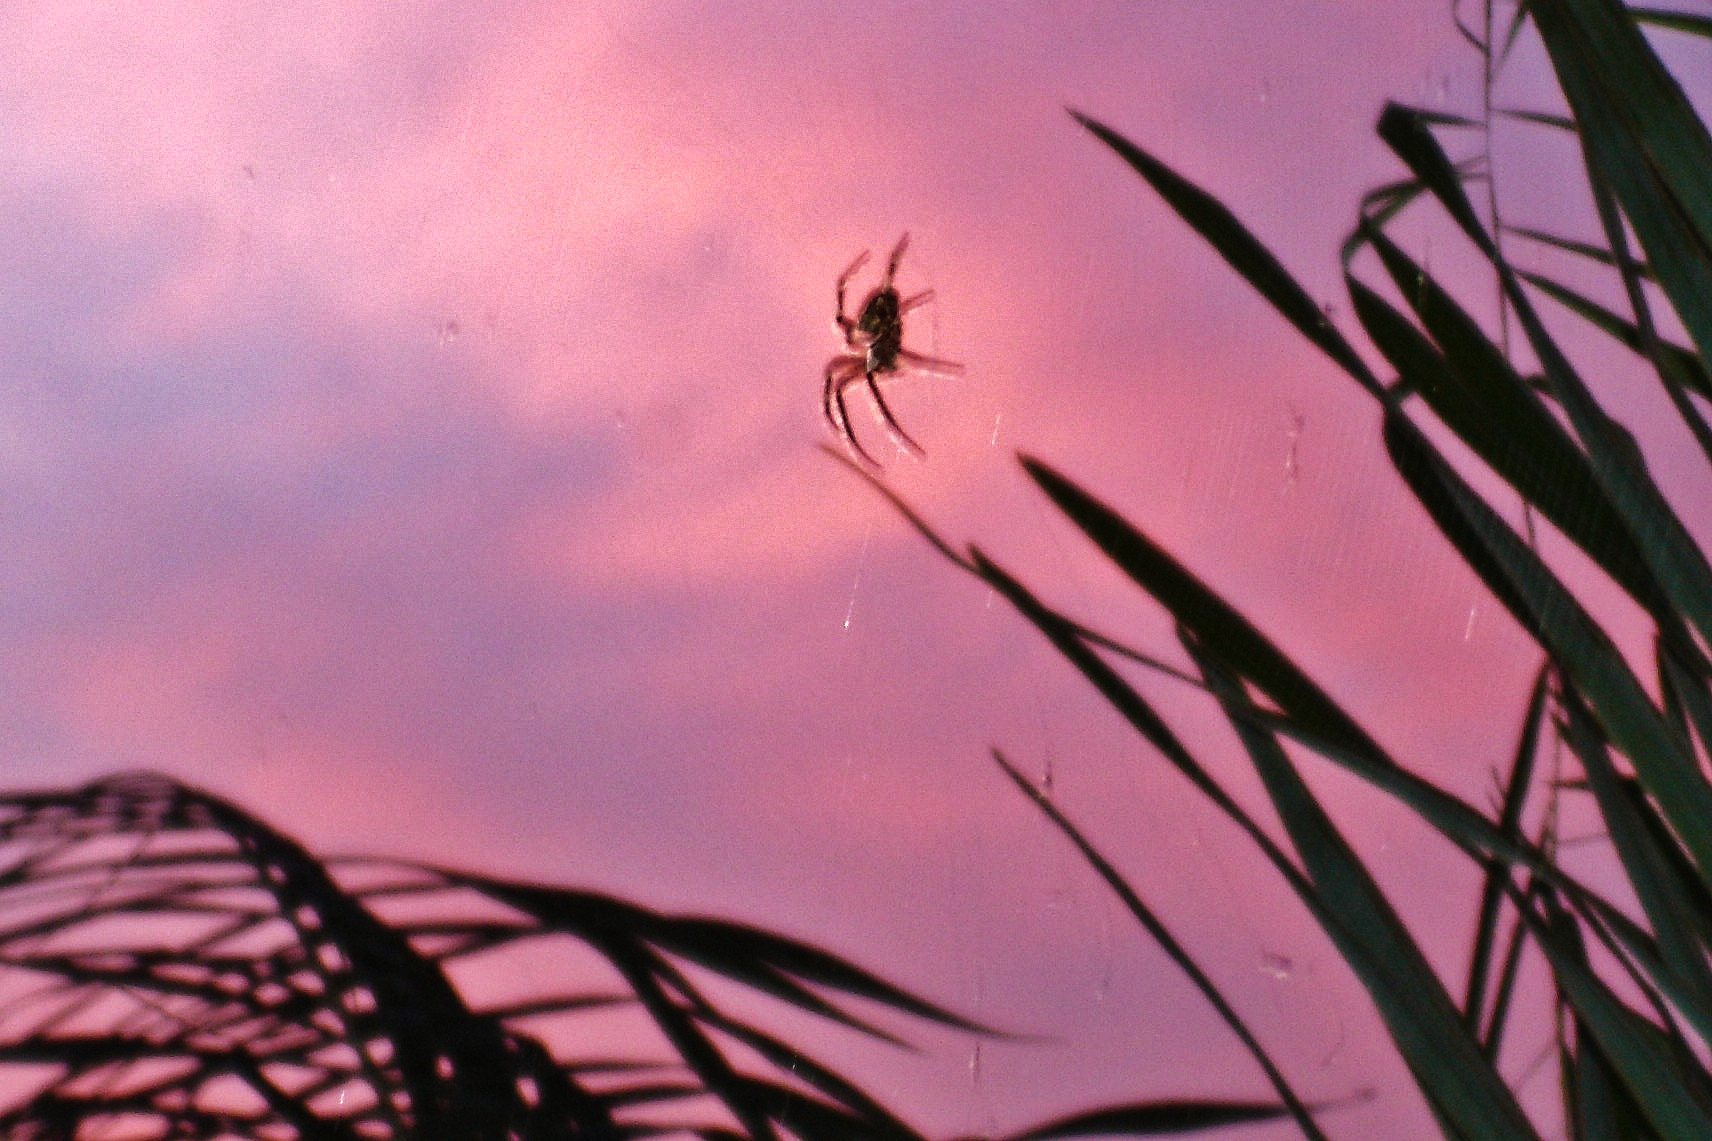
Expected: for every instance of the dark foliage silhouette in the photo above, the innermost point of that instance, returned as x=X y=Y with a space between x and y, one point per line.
x=172 y=966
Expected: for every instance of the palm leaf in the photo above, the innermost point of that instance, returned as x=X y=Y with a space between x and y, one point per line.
x=184 y=969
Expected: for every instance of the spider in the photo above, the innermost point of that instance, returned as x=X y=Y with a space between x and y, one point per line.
x=874 y=346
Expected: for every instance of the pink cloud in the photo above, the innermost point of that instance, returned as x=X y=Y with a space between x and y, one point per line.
x=414 y=435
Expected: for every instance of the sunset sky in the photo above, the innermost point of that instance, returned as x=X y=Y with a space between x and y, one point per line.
x=410 y=427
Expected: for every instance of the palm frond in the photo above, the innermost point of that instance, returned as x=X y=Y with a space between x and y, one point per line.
x=172 y=966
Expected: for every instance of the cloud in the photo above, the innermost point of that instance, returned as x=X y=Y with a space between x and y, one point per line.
x=408 y=425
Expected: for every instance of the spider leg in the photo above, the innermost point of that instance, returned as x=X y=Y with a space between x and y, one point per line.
x=844 y=278
x=918 y=300
x=891 y=421
x=848 y=324
x=839 y=371
x=849 y=432
x=929 y=364
x=844 y=281
x=897 y=256
x=826 y=398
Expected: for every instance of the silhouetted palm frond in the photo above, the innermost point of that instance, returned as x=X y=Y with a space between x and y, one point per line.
x=170 y=966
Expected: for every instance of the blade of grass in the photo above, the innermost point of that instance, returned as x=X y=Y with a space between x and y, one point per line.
x=1587 y=250
x=1213 y=221
x=1242 y=648
x=1676 y=562
x=1423 y=1021
x=1169 y=944
x=1473 y=390
x=1157 y=1119
x=1639 y=1054
x=1346 y=744
x=643 y=971
x=1643 y=139
x=1330 y=920
x=1555 y=122
x=1135 y=709
x=861 y=1107
x=1689 y=22
x=1324 y=728
x=1497 y=872
x=1602 y=1109
x=1675 y=363
x=1649 y=343
x=938 y=543
x=1646 y=141
x=1492 y=1033
x=1405 y=130
x=1583 y=650
x=1678 y=927
x=1690 y=689
x=1380 y=205
x=768 y=963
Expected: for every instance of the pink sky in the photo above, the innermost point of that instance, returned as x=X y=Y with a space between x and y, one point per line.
x=410 y=422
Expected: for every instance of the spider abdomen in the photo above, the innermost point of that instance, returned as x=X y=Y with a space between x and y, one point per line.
x=882 y=328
